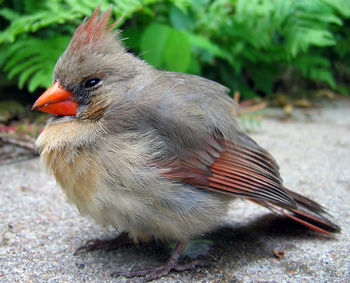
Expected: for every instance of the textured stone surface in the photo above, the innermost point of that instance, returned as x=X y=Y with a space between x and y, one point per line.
x=39 y=230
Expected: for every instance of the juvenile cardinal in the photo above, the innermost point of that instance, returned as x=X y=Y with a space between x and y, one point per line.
x=155 y=154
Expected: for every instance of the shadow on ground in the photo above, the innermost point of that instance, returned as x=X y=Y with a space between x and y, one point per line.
x=249 y=242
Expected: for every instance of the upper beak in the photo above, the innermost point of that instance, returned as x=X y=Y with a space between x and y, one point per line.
x=56 y=100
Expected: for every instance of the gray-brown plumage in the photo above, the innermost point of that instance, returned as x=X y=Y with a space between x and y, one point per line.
x=155 y=154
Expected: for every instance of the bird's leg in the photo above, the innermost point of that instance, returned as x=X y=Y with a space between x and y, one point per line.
x=110 y=244
x=153 y=272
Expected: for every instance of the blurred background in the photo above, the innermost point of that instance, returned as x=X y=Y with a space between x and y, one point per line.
x=278 y=52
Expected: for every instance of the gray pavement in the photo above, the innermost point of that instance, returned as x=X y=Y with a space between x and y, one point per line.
x=39 y=230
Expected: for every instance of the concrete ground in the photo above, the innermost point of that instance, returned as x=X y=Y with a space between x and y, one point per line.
x=39 y=230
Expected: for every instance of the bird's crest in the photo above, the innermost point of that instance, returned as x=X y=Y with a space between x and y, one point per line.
x=92 y=31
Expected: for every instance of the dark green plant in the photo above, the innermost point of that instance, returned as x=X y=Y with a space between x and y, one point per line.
x=251 y=46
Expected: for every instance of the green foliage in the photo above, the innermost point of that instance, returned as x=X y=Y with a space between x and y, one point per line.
x=251 y=46
x=164 y=46
x=177 y=47
x=35 y=62
x=153 y=41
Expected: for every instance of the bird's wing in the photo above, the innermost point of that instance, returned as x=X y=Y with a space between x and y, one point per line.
x=244 y=169
x=236 y=169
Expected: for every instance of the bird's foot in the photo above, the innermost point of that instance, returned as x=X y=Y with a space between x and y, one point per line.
x=149 y=272
x=109 y=244
x=153 y=272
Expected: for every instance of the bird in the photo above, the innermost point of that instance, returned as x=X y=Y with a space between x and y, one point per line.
x=155 y=154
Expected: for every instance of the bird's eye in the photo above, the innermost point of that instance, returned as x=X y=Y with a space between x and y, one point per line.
x=91 y=83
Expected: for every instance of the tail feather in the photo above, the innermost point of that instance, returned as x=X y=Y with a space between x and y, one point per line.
x=308 y=213
x=308 y=224
x=306 y=202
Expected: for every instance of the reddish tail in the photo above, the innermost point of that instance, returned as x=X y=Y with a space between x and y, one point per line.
x=307 y=213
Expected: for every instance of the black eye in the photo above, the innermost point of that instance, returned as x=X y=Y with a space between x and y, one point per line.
x=91 y=83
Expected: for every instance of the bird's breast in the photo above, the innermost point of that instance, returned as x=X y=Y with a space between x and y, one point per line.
x=76 y=172
x=67 y=150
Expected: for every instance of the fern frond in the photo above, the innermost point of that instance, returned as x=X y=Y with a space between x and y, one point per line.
x=315 y=68
x=32 y=59
x=61 y=12
x=20 y=24
x=341 y=6
x=33 y=63
x=252 y=38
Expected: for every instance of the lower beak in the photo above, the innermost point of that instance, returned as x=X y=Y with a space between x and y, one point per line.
x=58 y=101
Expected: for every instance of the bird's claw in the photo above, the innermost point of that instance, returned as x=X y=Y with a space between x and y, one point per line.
x=109 y=244
x=90 y=245
x=150 y=273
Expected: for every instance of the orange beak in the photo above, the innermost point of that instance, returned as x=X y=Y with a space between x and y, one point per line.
x=58 y=101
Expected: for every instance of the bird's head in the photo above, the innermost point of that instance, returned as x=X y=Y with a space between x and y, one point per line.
x=92 y=71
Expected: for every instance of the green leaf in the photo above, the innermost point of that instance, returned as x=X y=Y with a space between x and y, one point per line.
x=177 y=53
x=206 y=44
x=26 y=74
x=180 y=20
x=31 y=62
x=40 y=78
x=22 y=66
x=132 y=37
x=153 y=41
x=342 y=6
x=8 y=14
x=194 y=67
x=323 y=75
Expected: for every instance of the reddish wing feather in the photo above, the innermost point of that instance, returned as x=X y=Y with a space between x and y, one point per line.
x=219 y=167
x=248 y=171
